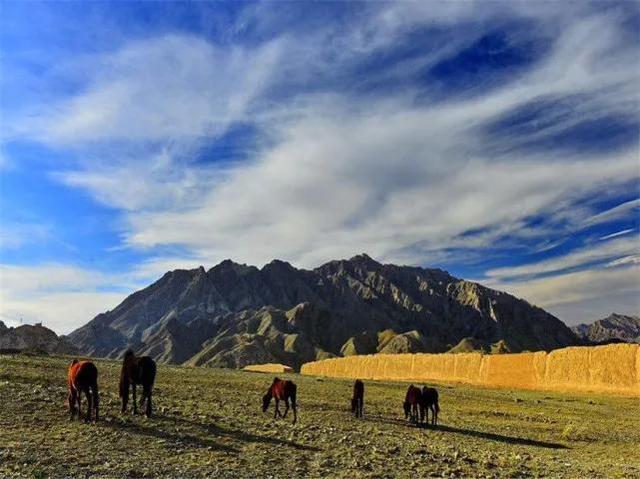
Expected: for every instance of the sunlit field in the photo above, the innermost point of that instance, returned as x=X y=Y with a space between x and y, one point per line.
x=208 y=423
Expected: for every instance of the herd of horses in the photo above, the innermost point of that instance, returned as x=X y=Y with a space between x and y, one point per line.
x=82 y=378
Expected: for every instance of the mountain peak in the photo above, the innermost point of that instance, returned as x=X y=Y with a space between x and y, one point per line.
x=363 y=258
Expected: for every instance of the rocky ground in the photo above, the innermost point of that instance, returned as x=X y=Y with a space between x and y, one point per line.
x=208 y=424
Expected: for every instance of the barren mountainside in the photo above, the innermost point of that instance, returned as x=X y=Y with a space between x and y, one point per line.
x=615 y=327
x=234 y=315
x=33 y=338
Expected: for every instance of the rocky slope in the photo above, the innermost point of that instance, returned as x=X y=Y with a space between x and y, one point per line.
x=33 y=338
x=233 y=315
x=615 y=327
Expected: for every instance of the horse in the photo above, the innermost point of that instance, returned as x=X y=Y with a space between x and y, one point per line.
x=357 y=401
x=430 y=402
x=137 y=370
x=82 y=377
x=281 y=389
x=413 y=410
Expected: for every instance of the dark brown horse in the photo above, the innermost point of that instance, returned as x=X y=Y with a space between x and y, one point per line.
x=412 y=405
x=430 y=403
x=281 y=389
x=82 y=377
x=137 y=370
x=357 y=401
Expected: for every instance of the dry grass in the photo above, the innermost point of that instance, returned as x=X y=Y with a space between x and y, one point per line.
x=208 y=424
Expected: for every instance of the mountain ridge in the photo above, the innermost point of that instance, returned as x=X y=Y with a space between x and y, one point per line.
x=234 y=314
x=615 y=327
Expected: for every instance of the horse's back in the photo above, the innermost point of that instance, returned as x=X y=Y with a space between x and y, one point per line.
x=430 y=395
x=82 y=374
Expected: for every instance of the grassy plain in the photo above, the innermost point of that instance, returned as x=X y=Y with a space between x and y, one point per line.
x=208 y=423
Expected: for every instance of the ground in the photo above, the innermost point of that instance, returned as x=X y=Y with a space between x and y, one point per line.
x=208 y=423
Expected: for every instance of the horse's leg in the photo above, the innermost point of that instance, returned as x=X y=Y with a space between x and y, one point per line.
x=134 y=386
x=286 y=407
x=125 y=396
x=79 y=403
x=294 y=407
x=361 y=407
x=146 y=394
x=72 y=404
x=87 y=393
x=96 y=399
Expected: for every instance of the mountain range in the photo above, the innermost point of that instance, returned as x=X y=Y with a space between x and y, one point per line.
x=36 y=338
x=233 y=315
x=613 y=328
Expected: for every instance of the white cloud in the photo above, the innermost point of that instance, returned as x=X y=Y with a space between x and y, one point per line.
x=615 y=213
x=167 y=88
x=62 y=297
x=582 y=296
x=589 y=254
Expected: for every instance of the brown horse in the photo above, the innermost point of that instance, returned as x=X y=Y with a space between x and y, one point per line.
x=137 y=370
x=413 y=410
x=82 y=377
x=281 y=389
x=430 y=402
x=357 y=401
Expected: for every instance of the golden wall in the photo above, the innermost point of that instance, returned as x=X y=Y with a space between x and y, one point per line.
x=268 y=368
x=610 y=369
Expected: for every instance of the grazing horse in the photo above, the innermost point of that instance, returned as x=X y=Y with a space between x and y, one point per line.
x=357 y=401
x=82 y=377
x=413 y=405
x=137 y=370
x=281 y=389
x=430 y=402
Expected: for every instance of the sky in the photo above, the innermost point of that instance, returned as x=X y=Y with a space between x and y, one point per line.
x=497 y=141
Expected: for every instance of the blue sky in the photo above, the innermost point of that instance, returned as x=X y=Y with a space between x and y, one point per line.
x=499 y=141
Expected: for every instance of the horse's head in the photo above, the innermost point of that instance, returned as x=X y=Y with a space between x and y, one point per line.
x=266 y=400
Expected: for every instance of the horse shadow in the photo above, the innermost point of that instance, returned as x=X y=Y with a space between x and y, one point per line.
x=155 y=432
x=522 y=441
x=239 y=435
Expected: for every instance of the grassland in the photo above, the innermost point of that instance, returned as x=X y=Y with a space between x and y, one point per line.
x=208 y=424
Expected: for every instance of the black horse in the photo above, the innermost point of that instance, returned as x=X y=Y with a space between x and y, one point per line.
x=430 y=403
x=357 y=401
x=137 y=370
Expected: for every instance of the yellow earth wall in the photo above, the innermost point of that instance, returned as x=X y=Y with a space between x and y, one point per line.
x=268 y=368
x=610 y=369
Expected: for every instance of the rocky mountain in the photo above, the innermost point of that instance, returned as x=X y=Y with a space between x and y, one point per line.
x=33 y=338
x=234 y=314
x=615 y=327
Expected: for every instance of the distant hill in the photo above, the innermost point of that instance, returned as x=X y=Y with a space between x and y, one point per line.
x=615 y=327
x=234 y=315
x=33 y=338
